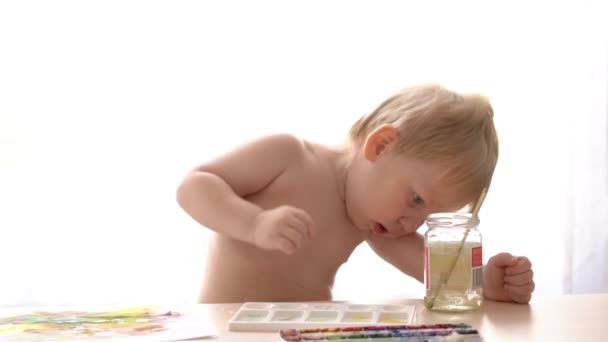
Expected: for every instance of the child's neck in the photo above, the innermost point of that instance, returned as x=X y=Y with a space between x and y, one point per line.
x=343 y=161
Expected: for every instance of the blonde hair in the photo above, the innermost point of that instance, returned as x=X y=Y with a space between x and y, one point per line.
x=438 y=124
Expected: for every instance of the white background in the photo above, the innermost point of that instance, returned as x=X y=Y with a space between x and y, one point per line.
x=104 y=106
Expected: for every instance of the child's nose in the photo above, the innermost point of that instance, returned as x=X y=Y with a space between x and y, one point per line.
x=406 y=224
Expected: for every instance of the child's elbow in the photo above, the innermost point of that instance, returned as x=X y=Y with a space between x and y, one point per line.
x=182 y=193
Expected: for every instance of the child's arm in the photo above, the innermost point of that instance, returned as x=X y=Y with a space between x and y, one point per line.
x=505 y=277
x=213 y=194
x=406 y=253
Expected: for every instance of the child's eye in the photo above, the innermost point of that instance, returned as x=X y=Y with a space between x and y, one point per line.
x=417 y=200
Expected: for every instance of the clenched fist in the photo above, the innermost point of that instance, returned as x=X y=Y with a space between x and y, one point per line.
x=508 y=278
x=283 y=228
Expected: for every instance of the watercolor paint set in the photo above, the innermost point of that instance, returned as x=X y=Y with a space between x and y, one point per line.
x=392 y=333
x=258 y=316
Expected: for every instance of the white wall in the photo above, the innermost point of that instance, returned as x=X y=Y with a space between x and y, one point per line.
x=105 y=105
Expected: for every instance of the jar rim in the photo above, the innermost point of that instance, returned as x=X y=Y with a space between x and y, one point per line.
x=452 y=219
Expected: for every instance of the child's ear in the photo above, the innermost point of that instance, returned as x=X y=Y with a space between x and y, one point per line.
x=378 y=141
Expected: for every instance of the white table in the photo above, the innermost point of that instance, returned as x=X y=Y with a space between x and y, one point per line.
x=581 y=318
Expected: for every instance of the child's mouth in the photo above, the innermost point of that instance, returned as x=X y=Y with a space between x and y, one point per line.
x=379 y=228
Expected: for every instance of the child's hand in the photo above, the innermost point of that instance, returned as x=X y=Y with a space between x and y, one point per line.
x=283 y=228
x=508 y=278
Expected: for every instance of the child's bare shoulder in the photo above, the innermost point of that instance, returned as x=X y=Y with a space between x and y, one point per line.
x=279 y=147
x=282 y=147
x=297 y=149
x=288 y=153
x=282 y=141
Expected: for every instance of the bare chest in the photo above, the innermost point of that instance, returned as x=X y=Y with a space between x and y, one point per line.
x=315 y=189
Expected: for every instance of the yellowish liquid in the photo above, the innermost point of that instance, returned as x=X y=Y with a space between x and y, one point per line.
x=357 y=319
x=394 y=321
x=463 y=290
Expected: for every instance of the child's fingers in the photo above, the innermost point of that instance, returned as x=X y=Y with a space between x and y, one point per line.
x=502 y=260
x=522 y=299
x=523 y=265
x=299 y=225
x=306 y=220
x=294 y=234
x=520 y=290
x=286 y=246
x=520 y=294
x=520 y=279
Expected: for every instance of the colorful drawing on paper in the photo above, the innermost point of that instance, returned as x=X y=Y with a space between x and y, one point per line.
x=130 y=323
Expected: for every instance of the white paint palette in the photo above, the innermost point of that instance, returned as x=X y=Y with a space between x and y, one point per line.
x=263 y=316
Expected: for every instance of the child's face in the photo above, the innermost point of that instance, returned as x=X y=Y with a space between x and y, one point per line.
x=392 y=195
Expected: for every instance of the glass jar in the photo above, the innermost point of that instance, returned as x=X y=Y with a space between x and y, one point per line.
x=453 y=262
